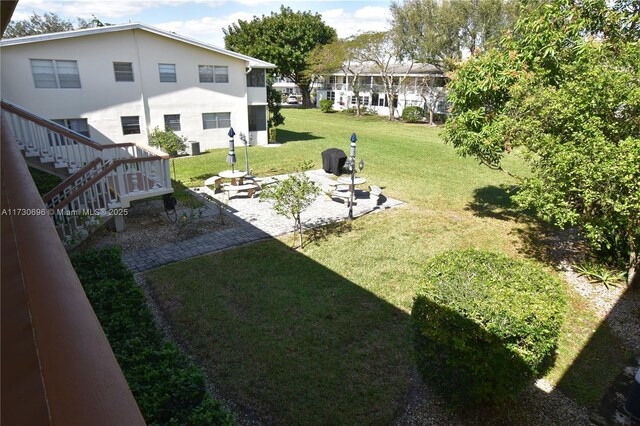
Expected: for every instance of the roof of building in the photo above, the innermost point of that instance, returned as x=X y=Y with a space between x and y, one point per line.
x=253 y=62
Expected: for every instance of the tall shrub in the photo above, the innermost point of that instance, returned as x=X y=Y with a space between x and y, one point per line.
x=412 y=114
x=485 y=325
x=326 y=105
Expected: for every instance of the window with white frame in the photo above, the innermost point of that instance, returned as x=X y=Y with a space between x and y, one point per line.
x=167 y=73
x=331 y=95
x=216 y=120
x=78 y=125
x=123 y=71
x=172 y=121
x=213 y=74
x=130 y=125
x=55 y=74
x=364 y=100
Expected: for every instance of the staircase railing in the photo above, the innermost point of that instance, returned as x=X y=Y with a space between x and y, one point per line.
x=104 y=177
x=54 y=143
x=93 y=201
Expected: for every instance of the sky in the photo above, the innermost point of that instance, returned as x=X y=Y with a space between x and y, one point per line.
x=203 y=20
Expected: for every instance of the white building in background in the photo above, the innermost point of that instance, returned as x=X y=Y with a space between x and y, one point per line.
x=338 y=87
x=117 y=83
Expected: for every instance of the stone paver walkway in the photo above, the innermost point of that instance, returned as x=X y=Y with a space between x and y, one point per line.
x=256 y=221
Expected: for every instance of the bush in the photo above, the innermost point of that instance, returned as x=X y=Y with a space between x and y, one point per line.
x=273 y=135
x=485 y=325
x=326 y=105
x=412 y=114
x=167 y=386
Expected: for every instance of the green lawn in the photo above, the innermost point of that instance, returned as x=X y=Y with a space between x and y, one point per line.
x=322 y=335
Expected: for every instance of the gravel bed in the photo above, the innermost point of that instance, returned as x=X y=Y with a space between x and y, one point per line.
x=148 y=225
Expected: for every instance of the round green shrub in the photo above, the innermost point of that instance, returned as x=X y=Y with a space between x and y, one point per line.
x=326 y=105
x=412 y=114
x=485 y=325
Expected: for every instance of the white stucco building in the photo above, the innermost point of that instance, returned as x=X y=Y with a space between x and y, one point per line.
x=117 y=83
x=414 y=84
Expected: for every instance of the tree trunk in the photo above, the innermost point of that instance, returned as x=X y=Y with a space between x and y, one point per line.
x=393 y=99
x=633 y=279
x=300 y=226
x=357 y=95
x=306 y=97
x=430 y=116
x=299 y=231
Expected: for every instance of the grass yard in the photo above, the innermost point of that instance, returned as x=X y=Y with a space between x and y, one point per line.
x=322 y=335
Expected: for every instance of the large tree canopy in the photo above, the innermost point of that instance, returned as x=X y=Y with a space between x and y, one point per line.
x=47 y=23
x=565 y=89
x=286 y=39
x=439 y=31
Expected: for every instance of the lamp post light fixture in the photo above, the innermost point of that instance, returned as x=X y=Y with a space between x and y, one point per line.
x=244 y=140
x=351 y=165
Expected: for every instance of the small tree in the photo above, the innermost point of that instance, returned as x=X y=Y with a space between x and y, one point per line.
x=169 y=142
x=378 y=49
x=292 y=196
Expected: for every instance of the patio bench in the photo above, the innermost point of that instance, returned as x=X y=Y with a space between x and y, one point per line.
x=344 y=195
x=375 y=192
x=213 y=181
x=249 y=188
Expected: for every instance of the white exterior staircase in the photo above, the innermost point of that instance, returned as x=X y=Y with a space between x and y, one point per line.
x=102 y=180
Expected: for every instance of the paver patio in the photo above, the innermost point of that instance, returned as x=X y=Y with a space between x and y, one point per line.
x=256 y=220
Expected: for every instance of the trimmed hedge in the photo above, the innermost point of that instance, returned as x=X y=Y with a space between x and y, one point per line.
x=326 y=105
x=412 y=114
x=167 y=386
x=485 y=325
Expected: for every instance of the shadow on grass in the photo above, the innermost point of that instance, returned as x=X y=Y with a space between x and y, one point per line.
x=287 y=338
x=290 y=341
x=495 y=202
x=322 y=233
x=285 y=136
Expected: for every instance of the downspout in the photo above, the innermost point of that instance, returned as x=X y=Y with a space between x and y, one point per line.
x=143 y=98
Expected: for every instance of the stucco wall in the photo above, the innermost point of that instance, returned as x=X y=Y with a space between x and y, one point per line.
x=103 y=101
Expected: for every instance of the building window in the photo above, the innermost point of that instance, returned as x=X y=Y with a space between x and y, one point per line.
x=167 y=73
x=257 y=118
x=54 y=74
x=213 y=74
x=130 y=125
x=172 y=122
x=123 y=71
x=256 y=78
x=216 y=120
x=364 y=100
x=78 y=125
x=206 y=73
x=331 y=95
x=442 y=106
x=222 y=74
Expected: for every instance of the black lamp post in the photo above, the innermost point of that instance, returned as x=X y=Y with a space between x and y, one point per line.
x=351 y=165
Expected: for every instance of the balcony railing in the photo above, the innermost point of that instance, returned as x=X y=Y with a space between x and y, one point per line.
x=57 y=365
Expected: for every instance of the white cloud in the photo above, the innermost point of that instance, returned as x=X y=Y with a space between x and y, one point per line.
x=107 y=9
x=368 y=18
x=84 y=9
x=207 y=29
